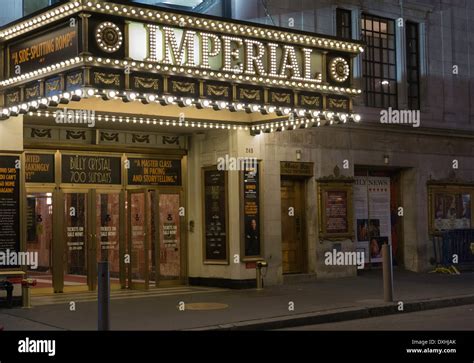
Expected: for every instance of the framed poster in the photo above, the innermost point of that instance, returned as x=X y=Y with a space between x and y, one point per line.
x=373 y=221
x=149 y=171
x=251 y=246
x=9 y=205
x=39 y=168
x=335 y=210
x=450 y=207
x=91 y=169
x=215 y=216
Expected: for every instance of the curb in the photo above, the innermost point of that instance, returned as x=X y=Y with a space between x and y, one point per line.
x=312 y=318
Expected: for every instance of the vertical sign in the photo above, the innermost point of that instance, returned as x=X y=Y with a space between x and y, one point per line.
x=9 y=205
x=252 y=246
x=169 y=236
x=215 y=216
x=372 y=211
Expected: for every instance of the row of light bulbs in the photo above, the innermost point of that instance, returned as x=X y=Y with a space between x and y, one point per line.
x=76 y=95
x=325 y=119
x=245 y=30
x=42 y=71
x=114 y=9
x=221 y=75
x=41 y=20
x=146 y=98
x=149 y=121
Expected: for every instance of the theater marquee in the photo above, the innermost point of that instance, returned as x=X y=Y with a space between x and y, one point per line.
x=139 y=53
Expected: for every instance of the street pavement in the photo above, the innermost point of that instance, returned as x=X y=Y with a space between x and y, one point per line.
x=454 y=318
x=200 y=308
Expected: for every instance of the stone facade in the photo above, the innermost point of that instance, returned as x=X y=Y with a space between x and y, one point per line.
x=420 y=154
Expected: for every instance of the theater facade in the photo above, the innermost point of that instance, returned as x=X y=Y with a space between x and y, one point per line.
x=182 y=148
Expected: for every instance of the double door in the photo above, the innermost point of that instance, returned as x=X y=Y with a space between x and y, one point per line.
x=154 y=238
x=93 y=229
x=138 y=232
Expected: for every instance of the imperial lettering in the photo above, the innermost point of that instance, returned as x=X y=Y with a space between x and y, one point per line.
x=222 y=52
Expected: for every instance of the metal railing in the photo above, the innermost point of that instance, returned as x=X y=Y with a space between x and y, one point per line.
x=454 y=247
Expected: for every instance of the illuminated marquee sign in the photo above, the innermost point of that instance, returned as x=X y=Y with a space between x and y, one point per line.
x=54 y=46
x=148 y=54
x=253 y=58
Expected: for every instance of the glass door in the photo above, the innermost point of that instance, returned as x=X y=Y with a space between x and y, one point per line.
x=169 y=237
x=139 y=228
x=108 y=217
x=39 y=238
x=77 y=241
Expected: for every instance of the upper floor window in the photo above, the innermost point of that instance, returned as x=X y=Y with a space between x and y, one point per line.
x=413 y=65
x=379 y=61
x=343 y=23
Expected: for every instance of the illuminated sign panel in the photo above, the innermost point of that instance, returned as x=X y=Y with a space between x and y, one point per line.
x=218 y=52
x=145 y=53
x=54 y=46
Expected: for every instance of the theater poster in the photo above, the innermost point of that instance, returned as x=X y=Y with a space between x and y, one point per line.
x=251 y=210
x=215 y=216
x=372 y=215
x=9 y=203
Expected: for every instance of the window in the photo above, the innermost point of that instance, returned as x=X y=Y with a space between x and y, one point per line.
x=379 y=62
x=211 y=7
x=413 y=65
x=343 y=24
x=30 y=6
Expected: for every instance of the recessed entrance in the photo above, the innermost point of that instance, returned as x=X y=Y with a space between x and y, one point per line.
x=72 y=226
x=293 y=234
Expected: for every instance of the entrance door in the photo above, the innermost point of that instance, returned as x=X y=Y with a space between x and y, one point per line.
x=92 y=231
x=108 y=233
x=78 y=237
x=292 y=225
x=39 y=237
x=139 y=237
x=170 y=249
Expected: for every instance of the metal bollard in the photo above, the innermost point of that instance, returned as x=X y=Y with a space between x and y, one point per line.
x=387 y=272
x=103 y=298
x=259 y=266
x=26 y=297
x=26 y=285
x=8 y=287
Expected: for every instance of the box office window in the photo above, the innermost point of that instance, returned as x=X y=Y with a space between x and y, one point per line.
x=379 y=61
x=413 y=65
x=343 y=23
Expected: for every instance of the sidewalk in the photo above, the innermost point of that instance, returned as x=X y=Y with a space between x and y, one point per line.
x=314 y=302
